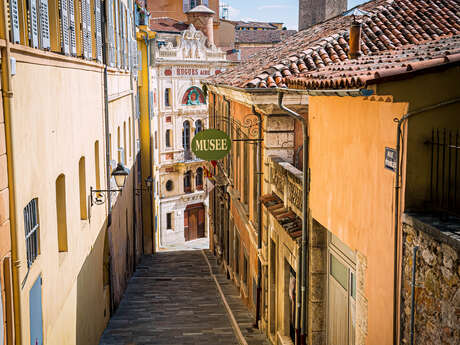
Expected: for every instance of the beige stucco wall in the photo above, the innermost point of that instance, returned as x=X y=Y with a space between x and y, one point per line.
x=58 y=108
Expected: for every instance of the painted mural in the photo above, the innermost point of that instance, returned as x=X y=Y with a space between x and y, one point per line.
x=193 y=96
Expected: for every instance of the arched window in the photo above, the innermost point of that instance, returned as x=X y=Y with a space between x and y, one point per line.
x=188 y=182
x=186 y=136
x=198 y=126
x=82 y=180
x=61 y=213
x=199 y=178
x=168 y=138
x=169 y=185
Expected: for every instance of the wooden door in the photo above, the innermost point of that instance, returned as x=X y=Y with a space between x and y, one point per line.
x=193 y=224
x=186 y=227
x=201 y=223
x=338 y=313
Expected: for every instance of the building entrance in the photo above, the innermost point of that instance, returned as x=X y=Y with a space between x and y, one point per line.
x=194 y=222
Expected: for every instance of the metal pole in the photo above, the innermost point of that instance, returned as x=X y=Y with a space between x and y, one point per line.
x=412 y=309
x=305 y=219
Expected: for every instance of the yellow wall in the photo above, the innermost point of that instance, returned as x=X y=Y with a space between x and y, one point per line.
x=352 y=193
x=58 y=108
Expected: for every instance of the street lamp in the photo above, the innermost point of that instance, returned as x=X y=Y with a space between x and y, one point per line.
x=119 y=173
x=149 y=183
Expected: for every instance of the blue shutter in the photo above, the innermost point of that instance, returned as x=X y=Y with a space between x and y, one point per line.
x=186 y=5
x=35 y=309
x=14 y=15
x=98 y=20
x=65 y=28
x=33 y=23
x=72 y=32
x=44 y=25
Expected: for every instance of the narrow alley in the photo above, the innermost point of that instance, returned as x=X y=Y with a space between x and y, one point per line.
x=173 y=299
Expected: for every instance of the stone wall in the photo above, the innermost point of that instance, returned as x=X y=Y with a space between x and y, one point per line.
x=312 y=12
x=437 y=284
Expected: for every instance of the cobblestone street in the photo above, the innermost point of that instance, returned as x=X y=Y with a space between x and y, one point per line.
x=173 y=299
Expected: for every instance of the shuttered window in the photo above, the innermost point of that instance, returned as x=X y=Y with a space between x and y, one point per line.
x=98 y=20
x=186 y=5
x=110 y=33
x=44 y=25
x=84 y=29
x=89 y=41
x=33 y=23
x=65 y=42
x=117 y=32
x=31 y=226
x=72 y=29
x=14 y=15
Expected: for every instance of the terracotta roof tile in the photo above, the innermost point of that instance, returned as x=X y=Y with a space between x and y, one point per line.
x=262 y=36
x=166 y=24
x=389 y=26
x=374 y=68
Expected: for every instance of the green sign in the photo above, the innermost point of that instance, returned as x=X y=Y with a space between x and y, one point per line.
x=211 y=144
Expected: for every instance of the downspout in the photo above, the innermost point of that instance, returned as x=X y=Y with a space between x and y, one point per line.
x=396 y=282
x=147 y=47
x=305 y=218
x=133 y=148
x=259 y=214
x=107 y=160
x=7 y=95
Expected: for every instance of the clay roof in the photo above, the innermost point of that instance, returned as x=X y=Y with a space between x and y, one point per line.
x=166 y=24
x=262 y=36
x=201 y=9
x=397 y=63
x=390 y=26
x=261 y=25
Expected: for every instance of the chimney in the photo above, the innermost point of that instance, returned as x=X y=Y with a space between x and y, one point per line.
x=202 y=19
x=355 y=40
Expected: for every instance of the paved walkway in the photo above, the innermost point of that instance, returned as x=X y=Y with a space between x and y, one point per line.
x=173 y=299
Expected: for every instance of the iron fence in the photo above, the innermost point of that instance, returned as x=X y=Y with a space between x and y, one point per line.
x=444 y=172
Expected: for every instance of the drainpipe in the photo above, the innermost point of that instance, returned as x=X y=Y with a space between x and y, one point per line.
x=305 y=218
x=7 y=95
x=259 y=214
x=396 y=282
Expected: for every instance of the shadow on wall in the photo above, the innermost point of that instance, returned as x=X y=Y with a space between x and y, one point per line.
x=93 y=293
x=104 y=275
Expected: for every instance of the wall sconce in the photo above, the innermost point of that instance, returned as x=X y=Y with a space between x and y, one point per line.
x=119 y=174
x=149 y=183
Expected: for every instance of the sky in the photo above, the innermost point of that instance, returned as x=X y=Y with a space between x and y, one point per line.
x=285 y=11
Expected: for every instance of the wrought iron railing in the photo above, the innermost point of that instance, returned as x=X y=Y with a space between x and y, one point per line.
x=444 y=171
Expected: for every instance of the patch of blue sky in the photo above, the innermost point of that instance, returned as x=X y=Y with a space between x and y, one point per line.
x=280 y=11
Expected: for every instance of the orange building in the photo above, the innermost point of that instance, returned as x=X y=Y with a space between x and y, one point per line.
x=368 y=120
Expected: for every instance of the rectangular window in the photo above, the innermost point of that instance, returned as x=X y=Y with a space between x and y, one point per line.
x=31 y=226
x=169 y=221
x=167 y=97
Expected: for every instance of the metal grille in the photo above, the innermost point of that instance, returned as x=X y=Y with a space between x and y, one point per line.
x=444 y=171
x=31 y=226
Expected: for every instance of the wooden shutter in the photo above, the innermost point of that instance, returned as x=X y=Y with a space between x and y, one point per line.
x=83 y=28
x=110 y=34
x=14 y=15
x=117 y=32
x=98 y=20
x=65 y=42
x=186 y=5
x=72 y=29
x=33 y=23
x=89 y=41
x=44 y=25
x=122 y=35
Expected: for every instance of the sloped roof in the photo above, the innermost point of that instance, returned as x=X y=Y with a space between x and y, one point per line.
x=166 y=24
x=390 y=25
x=201 y=9
x=261 y=25
x=262 y=36
x=400 y=62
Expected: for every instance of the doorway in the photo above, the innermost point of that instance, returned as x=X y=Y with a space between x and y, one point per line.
x=194 y=222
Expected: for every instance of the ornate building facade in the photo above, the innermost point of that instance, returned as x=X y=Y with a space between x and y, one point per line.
x=180 y=60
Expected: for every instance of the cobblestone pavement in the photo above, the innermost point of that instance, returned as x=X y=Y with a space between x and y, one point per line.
x=172 y=299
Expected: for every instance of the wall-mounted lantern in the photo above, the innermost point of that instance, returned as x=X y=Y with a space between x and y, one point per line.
x=119 y=173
